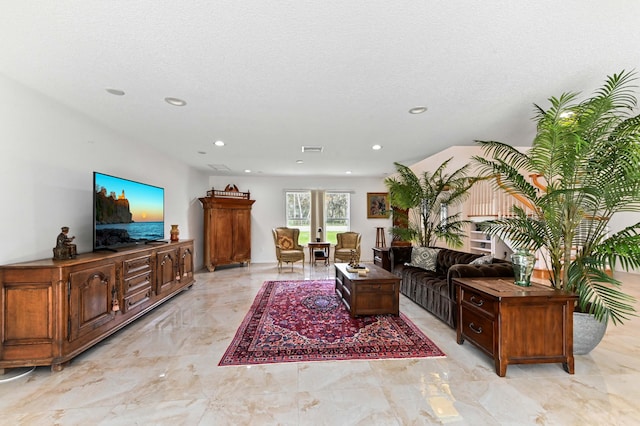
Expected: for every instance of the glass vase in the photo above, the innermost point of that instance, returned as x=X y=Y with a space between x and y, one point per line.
x=523 y=261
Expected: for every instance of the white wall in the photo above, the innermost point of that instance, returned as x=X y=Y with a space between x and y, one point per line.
x=269 y=209
x=49 y=153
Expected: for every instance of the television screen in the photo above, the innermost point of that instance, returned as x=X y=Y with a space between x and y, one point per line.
x=125 y=212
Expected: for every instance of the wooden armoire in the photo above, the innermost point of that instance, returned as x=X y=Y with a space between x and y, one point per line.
x=227 y=227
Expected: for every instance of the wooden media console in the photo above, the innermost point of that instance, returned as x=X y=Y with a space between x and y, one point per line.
x=52 y=310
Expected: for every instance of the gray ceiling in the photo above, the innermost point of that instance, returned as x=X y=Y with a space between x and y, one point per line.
x=268 y=77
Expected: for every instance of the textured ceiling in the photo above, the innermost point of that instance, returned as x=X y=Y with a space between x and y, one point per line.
x=268 y=77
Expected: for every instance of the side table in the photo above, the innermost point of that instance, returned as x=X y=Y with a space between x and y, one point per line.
x=381 y=257
x=316 y=247
x=515 y=325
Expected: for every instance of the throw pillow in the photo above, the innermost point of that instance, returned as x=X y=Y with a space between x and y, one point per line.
x=285 y=243
x=424 y=257
x=483 y=260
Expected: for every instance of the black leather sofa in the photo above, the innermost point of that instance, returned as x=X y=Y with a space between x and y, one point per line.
x=434 y=291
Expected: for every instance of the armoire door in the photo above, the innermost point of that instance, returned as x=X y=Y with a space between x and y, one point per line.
x=242 y=235
x=222 y=227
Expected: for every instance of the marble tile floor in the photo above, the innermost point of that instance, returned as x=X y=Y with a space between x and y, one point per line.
x=162 y=370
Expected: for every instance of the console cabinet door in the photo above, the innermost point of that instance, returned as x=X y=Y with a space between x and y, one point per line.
x=30 y=303
x=186 y=265
x=168 y=273
x=91 y=295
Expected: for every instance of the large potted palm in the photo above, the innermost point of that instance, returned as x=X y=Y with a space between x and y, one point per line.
x=429 y=200
x=583 y=167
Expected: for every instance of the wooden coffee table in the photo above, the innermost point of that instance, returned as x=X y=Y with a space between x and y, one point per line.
x=516 y=325
x=376 y=293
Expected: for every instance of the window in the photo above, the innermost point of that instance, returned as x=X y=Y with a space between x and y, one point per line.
x=337 y=214
x=298 y=213
x=314 y=210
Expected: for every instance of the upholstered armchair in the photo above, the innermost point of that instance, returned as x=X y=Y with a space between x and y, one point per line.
x=287 y=248
x=347 y=242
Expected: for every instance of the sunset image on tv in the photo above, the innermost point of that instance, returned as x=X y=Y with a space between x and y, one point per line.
x=126 y=212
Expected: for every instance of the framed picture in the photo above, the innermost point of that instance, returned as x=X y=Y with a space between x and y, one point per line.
x=378 y=205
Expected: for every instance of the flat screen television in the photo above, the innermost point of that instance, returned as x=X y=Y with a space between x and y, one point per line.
x=125 y=212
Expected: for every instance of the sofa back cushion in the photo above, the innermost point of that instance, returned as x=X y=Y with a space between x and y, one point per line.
x=447 y=258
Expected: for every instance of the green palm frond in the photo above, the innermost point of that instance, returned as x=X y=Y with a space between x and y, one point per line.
x=599 y=293
x=423 y=195
x=622 y=248
x=588 y=154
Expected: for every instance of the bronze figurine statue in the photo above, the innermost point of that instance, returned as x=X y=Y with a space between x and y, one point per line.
x=64 y=249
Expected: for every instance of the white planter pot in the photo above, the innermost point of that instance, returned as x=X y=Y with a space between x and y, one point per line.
x=587 y=333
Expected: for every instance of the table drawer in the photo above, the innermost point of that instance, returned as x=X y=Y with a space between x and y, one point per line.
x=136 y=266
x=135 y=283
x=376 y=303
x=477 y=328
x=377 y=288
x=479 y=302
x=131 y=301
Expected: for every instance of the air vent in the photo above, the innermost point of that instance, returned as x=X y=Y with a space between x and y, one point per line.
x=312 y=149
x=219 y=167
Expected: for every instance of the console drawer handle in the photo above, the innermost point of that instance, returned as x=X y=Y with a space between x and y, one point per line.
x=473 y=328
x=476 y=301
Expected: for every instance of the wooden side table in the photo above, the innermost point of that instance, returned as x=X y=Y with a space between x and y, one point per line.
x=381 y=257
x=322 y=245
x=516 y=325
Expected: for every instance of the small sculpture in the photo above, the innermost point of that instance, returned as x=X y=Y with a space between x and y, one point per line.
x=353 y=261
x=64 y=249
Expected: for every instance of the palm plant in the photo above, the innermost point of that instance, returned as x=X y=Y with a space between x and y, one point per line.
x=587 y=156
x=424 y=197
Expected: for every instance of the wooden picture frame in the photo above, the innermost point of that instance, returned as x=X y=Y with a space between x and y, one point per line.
x=378 y=205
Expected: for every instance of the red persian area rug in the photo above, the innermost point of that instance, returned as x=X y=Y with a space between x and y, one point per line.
x=296 y=321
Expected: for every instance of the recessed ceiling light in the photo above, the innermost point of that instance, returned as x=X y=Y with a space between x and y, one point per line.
x=116 y=92
x=376 y=147
x=175 y=101
x=299 y=161
x=348 y=172
x=247 y=170
x=417 y=110
x=218 y=143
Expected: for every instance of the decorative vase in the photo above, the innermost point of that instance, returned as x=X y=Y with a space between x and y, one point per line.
x=175 y=232
x=587 y=333
x=523 y=261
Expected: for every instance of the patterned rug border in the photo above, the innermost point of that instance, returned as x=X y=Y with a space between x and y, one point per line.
x=231 y=359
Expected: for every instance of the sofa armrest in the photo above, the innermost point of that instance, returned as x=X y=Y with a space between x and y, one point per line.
x=500 y=269
x=399 y=255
